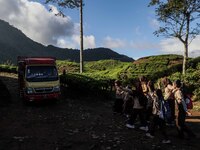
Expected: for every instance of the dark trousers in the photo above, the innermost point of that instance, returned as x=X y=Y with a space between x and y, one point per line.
x=134 y=114
x=148 y=113
x=181 y=127
x=128 y=107
x=172 y=108
x=156 y=121
x=118 y=105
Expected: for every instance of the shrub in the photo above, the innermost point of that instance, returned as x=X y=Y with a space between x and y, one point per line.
x=84 y=85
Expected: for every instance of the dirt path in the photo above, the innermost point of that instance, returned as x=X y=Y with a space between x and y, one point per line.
x=77 y=124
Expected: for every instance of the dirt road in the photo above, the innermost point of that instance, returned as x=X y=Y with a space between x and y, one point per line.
x=77 y=124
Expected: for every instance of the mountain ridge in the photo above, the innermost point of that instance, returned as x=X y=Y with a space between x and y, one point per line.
x=13 y=43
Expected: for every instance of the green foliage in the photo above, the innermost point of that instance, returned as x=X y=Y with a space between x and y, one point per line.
x=155 y=67
x=176 y=17
x=152 y=67
x=103 y=69
x=100 y=75
x=174 y=14
x=84 y=85
x=196 y=93
x=67 y=66
x=8 y=68
x=191 y=79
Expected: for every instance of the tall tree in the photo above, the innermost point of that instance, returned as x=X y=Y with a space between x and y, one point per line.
x=179 y=19
x=81 y=36
x=73 y=4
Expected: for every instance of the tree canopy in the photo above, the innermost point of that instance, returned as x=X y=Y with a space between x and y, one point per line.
x=177 y=16
x=179 y=19
x=66 y=3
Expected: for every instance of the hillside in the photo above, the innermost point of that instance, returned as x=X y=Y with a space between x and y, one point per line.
x=14 y=43
x=164 y=64
x=153 y=67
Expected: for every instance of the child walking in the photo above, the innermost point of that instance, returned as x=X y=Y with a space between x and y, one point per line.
x=139 y=103
x=158 y=117
x=128 y=101
x=181 y=111
x=169 y=99
x=119 y=95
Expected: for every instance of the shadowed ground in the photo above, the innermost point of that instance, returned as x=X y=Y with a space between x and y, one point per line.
x=77 y=124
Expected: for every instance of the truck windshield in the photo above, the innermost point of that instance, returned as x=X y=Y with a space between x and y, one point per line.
x=41 y=73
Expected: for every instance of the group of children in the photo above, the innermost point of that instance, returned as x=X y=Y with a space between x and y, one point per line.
x=154 y=106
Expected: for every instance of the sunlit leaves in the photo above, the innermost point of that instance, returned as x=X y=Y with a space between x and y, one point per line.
x=175 y=14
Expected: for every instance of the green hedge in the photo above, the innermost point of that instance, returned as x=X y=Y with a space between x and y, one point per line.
x=8 y=68
x=84 y=85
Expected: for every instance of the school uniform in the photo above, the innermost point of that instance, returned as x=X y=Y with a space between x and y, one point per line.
x=169 y=97
x=157 y=119
x=138 y=110
x=118 y=104
x=181 y=115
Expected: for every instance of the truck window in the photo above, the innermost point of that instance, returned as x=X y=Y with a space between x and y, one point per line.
x=41 y=73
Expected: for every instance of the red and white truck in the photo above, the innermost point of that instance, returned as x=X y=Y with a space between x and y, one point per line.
x=38 y=78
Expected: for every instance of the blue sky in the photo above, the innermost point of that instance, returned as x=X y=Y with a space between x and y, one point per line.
x=124 y=26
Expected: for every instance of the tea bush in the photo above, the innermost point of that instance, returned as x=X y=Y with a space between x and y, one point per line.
x=100 y=75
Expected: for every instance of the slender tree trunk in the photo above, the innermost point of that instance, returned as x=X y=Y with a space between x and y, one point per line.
x=185 y=56
x=81 y=37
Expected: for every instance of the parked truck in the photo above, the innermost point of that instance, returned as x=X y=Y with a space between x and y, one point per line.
x=38 y=78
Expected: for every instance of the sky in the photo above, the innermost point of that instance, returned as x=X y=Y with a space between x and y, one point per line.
x=125 y=26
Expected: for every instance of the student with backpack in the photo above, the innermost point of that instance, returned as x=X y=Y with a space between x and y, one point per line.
x=181 y=111
x=169 y=99
x=119 y=95
x=158 y=116
x=128 y=101
x=151 y=90
x=139 y=104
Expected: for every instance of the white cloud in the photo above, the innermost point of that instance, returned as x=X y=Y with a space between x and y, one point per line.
x=144 y=45
x=165 y=46
x=74 y=42
x=113 y=43
x=89 y=41
x=176 y=47
x=66 y=43
x=33 y=19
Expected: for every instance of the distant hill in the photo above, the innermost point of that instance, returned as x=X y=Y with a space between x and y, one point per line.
x=14 y=43
x=153 y=67
x=157 y=66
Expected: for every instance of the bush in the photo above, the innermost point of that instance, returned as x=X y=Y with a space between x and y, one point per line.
x=8 y=68
x=100 y=75
x=82 y=85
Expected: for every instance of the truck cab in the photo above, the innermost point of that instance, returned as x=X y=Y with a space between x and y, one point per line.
x=38 y=78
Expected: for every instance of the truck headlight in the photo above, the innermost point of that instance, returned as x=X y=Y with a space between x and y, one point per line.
x=56 y=88
x=29 y=90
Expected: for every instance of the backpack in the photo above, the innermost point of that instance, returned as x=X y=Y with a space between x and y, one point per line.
x=165 y=108
x=187 y=97
x=188 y=102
